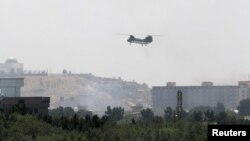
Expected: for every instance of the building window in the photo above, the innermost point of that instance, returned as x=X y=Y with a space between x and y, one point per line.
x=45 y=101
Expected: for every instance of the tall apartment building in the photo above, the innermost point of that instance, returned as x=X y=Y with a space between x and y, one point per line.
x=207 y=95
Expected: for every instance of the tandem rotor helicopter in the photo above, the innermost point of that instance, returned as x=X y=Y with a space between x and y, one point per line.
x=142 y=41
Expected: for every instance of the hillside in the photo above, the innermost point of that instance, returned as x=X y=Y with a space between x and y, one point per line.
x=87 y=90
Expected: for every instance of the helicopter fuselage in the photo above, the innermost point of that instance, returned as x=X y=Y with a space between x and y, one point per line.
x=144 y=41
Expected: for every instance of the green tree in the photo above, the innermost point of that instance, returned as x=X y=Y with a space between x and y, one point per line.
x=244 y=107
x=201 y=108
x=209 y=115
x=96 y=121
x=197 y=116
x=222 y=118
x=219 y=108
x=168 y=113
x=83 y=113
x=75 y=122
x=68 y=112
x=115 y=113
x=60 y=111
x=147 y=115
x=227 y=117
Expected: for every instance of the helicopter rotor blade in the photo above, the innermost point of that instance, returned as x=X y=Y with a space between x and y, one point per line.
x=123 y=34
x=159 y=35
x=140 y=34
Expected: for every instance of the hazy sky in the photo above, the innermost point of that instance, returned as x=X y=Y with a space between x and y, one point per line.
x=203 y=40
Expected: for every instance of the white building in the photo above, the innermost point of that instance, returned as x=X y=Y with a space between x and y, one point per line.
x=206 y=95
x=11 y=67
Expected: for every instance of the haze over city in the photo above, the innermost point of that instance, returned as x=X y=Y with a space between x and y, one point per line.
x=201 y=40
x=115 y=70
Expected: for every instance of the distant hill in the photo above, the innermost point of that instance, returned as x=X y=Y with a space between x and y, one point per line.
x=87 y=90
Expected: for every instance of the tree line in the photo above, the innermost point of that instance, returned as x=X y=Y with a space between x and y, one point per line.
x=64 y=124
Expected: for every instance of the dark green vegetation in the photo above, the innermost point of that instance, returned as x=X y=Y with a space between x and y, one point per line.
x=63 y=124
x=244 y=107
x=68 y=112
x=114 y=114
x=17 y=127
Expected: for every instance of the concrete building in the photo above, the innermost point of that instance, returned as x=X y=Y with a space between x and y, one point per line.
x=11 y=81
x=207 y=95
x=11 y=67
x=11 y=87
x=32 y=104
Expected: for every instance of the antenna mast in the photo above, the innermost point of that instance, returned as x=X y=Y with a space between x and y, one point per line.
x=179 y=104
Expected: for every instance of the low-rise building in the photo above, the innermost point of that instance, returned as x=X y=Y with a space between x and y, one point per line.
x=30 y=104
x=207 y=95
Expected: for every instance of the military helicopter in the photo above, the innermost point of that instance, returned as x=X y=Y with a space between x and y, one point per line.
x=147 y=40
x=142 y=41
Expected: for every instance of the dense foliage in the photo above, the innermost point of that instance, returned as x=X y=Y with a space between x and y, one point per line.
x=115 y=113
x=244 y=107
x=68 y=112
x=63 y=124
x=147 y=115
x=16 y=127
